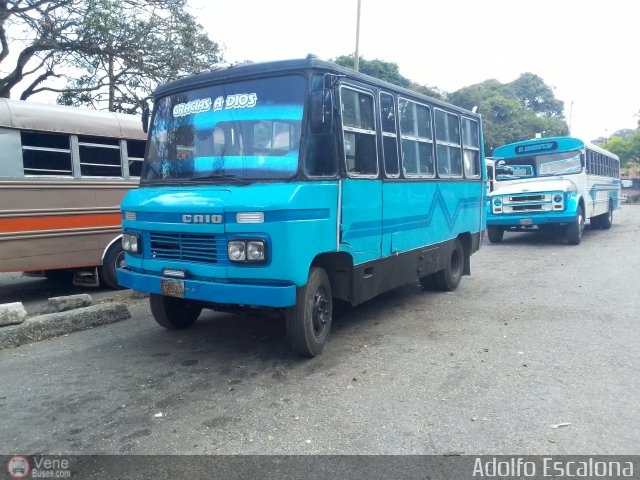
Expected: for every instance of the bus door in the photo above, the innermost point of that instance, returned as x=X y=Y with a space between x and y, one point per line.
x=361 y=193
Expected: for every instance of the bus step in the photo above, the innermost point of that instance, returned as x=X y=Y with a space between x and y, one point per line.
x=86 y=278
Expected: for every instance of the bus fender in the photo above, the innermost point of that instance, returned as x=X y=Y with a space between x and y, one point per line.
x=573 y=201
x=104 y=252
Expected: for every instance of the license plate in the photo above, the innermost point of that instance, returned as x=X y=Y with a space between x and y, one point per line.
x=172 y=288
x=526 y=221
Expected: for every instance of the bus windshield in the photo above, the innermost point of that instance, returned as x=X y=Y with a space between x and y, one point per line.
x=247 y=130
x=565 y=163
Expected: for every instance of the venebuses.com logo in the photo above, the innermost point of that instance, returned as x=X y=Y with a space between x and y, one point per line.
x=19 y=466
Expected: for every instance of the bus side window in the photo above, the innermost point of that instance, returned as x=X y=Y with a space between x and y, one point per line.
x=359 y=130
x=99 y=157
x=47 y=154
x=471 y=148
x=389 y=136
x=416 y=143
x=135 y=152
x=448 y=144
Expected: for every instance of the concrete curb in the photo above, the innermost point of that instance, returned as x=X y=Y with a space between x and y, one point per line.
x=43 y=327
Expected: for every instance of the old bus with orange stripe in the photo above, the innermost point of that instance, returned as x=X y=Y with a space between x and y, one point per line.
x=63 y=174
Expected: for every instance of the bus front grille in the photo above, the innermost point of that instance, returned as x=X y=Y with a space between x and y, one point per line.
x=187 y=247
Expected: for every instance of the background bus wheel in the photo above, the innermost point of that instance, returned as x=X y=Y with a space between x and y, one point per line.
x=309 y=320
x=449 y=278
x=173 y=313
x=112 y=260
x=606 y=220
x=575 y=229
x=495 y=234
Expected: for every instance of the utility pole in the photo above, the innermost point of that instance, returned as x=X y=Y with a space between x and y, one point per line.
x=356 y=57
x=570 y=115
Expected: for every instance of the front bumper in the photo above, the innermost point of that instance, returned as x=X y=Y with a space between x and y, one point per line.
x=275 y=296
x=510 y=220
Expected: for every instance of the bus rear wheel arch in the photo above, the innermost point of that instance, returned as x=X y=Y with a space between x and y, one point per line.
x=308 y=322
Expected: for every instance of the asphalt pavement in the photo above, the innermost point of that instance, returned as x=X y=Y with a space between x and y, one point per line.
x=538 y=352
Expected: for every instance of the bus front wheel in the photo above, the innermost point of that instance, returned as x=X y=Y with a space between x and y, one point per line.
x=173 y=313
x=449 y=278
x=309 y=320
x=495 y=234
x=575 y=229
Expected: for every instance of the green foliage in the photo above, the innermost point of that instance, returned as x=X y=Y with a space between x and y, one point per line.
x=628 y=148
x=386 y=71
x=112 y=52
x=513 y=111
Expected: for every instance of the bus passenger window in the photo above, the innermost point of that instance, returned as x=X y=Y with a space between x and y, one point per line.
x=416 y=141
x=46 y=154
x=358 y=123
x=389 y=138
x=471 y=148
x=135 y=152
x=448 y=152
x=99 y=157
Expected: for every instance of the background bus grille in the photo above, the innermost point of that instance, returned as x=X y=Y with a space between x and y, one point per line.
x=188 y=247
x=527 y=198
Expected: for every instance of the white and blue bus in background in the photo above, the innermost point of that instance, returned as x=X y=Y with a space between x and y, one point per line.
x=286 y=185
x=550 y=183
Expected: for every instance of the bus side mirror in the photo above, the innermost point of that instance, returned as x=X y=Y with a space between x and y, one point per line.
x=321 y=113
x=145 y=117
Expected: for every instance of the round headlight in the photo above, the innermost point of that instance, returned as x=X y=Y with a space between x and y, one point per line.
x=255 y=251
x=236 y=251
x=497 y=202
x=557 y=198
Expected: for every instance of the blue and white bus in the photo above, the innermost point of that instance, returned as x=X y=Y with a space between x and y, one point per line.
x=285 y=185
x=551 y=183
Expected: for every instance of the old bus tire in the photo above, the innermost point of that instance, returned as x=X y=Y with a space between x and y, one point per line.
x=575 y=229
x=173 y=313
x=429 y=282
x=309 y=320
x=496 y=234
x=606 y=220
x=449 y=278
x=113 y=259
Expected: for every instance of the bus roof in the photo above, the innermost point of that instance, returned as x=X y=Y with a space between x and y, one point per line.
x=249 y=70
x=546 y=145
x=73 y=120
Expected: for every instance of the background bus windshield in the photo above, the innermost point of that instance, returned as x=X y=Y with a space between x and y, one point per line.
x=565 y=163
x=248 y=130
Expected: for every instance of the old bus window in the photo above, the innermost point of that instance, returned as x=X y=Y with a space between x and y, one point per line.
x=359 y=130
x=389 y=138
x=46 y=154
x=416 y=142
x=135 y=151
x=448 y=144
x=471 y=147
x=99 y=157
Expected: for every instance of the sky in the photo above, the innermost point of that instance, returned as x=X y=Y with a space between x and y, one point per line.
x=587 y=51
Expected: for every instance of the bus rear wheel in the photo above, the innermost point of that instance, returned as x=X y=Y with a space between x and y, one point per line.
x=606 y=220
x=173 y=313
x=575 y=229
x=495 y=234
x=449 y=278
x=309 y=320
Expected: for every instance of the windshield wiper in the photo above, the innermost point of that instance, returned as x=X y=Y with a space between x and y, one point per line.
x=216 y=176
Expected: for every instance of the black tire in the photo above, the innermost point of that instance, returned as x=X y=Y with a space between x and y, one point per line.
x=606 y=220
x=449 y=278
x=495 y=234
x=596 y=222
x=309 y=320
x=112 y=260
x=575 y=229
x=429 y=282
x=174 y=313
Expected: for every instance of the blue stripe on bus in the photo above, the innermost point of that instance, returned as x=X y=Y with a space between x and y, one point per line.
x=413 y=222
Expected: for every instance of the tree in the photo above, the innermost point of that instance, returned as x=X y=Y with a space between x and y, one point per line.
x=628 y=148
x=387 y=71
x=112 y=52
x=513 y=111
